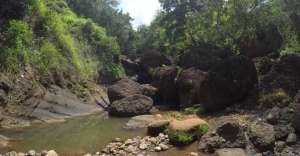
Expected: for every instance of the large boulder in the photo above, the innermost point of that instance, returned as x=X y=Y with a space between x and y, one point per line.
x=296 y=115
x=265 y=43
x=227 y=83
x=229 y=134
x=284 y=75
x=131 y=106
x=262 y=136
x=152 y=59
x=203 y=58
x=189 y=82
x=131 y=68
x=164 y=81
x=122 y=89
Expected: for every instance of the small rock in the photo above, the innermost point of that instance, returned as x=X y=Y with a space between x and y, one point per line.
x=117 y=140
x=21 y=154
x=44 y=153
x=262 y=136
x=291 y=139
x=194 y=154
x=51 y=153
x=163 y=147
x=280 y=145
x=87 y=155
x=31 y=153
x=13 y=153
x=157 y=127
x=230 y=152
x=143 y=146
x=158 y=149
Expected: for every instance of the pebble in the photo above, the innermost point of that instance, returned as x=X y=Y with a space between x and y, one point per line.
x=117 y=140
x=194 y=154
x=291 y=139
x=21 y=154
x=143 y=146
x=31 y=153
x=158 y=149
x=163 y=147
x=51 y=153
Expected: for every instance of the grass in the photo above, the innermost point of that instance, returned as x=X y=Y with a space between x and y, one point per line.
x=276 y=98
x=52 y=39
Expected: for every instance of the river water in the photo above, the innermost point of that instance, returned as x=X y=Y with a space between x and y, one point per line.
x=77 y=136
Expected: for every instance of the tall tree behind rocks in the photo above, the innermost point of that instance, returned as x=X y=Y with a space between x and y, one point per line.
x=106 y=14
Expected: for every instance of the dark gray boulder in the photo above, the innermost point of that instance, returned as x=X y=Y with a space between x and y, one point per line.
x=203 y=58
x=131 y=106
x=262 y=136
x=228 y=83
x=189 y=82
x=122 y=89
x=164 y=81
x=284 y=74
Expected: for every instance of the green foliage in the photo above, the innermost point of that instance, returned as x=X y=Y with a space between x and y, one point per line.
x=104 y=13
x=197 y=109
x=276 y=98
x=57 y=43
x=18 y=40
x=179 y=138
x=225 y=24
x=175 y=115
x=202 y=129
x=182 y=138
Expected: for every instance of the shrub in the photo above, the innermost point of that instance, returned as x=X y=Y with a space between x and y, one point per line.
x=18 y=40
x=179 y=138
x=182 y=138
x=202 y=129
x=175 y=115
x=197 y=109
x=276 y=98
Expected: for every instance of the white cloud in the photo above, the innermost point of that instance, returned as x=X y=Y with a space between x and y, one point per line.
x=142 y=11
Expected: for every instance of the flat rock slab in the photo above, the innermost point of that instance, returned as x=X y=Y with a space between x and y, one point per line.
x=187 y=124
x=141 y=121
x=60 y=105
x=231 y=152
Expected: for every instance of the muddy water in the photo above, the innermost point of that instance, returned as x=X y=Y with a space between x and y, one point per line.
x=76 y=137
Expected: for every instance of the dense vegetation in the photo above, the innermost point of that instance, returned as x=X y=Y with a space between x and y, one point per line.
x=63 y=38
x=49 y=37
x=239 y=25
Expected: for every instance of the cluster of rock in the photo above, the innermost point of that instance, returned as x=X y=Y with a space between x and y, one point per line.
x=256 y=137
x=32 y=153
x=216 y=80
x=138 y=146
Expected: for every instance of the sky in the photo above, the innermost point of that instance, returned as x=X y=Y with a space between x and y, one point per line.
x=142 y=11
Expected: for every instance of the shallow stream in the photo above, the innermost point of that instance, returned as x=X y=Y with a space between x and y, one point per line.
x=77 y=136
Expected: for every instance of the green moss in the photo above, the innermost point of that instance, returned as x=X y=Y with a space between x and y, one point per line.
x=179 y=138
x=197 y=109
x=175 y=115
x=18 y=37
x=202 y=129
x=276 y=98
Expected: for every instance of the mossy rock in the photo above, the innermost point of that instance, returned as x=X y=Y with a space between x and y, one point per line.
x=186 y=137
x=157 y=127
x=276 y=98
